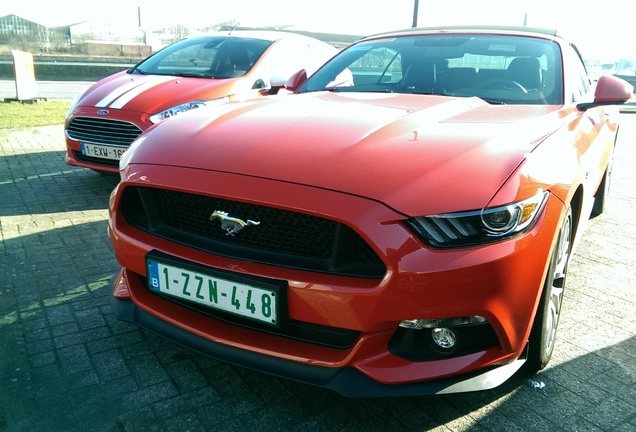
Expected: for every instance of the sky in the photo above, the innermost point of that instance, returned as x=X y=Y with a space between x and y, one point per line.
x=600 y=29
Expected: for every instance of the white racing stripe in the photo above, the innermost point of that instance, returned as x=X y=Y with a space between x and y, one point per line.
x=118 y=92
x=125 y=93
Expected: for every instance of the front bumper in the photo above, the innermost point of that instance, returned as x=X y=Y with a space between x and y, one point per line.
x=347 y=381
x=74 y=158
x=500 y=282
x=112 y=133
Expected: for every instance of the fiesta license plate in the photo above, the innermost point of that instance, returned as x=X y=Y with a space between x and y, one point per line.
x=103 y=152
x=225 y=294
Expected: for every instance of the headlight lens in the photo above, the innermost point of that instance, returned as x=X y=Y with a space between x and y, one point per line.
x=128 y=154
x=184 y=107
x=488 y=225
x=71 y=107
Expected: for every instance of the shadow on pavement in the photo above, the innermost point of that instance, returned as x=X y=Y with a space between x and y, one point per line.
x=28 y=187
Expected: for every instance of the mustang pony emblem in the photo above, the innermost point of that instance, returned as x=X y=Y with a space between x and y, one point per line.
x=230 y=224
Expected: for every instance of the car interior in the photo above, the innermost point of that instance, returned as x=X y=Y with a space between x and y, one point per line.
x=498 y=69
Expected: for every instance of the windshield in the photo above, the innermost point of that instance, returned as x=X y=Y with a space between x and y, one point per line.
x=496 y=68
x=208 y=57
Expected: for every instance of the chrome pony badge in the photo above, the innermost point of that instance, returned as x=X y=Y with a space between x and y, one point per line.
x=230 y=224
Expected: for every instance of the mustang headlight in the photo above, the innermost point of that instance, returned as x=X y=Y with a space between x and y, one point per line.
x=184 y=107
x=488 y=225
x=127 y=156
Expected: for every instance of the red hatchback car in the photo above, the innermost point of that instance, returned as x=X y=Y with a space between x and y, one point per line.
x=194 y=72
x=401 y=225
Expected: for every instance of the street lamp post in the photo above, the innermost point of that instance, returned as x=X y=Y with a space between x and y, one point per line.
x=415 y=8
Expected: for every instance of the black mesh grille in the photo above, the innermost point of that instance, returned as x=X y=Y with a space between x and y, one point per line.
x=102 y=131
x=281 y=238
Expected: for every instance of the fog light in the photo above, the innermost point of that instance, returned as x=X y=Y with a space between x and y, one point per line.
x=418 y=324
x=444 y=337
x=430 y=339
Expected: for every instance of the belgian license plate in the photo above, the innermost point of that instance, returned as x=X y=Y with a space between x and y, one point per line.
x=103 y=152
x=237 y=298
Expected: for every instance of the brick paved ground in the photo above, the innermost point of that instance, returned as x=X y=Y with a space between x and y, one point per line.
x=67 y=365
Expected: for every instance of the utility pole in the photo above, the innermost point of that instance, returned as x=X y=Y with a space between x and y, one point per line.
x=415 y=9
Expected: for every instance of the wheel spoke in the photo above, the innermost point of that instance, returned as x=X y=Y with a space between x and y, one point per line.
x=560 y=270
x=557 y=286
x=563 y=256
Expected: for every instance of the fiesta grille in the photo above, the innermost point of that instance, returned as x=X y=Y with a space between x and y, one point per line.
x=282 y=238
x=102 y=131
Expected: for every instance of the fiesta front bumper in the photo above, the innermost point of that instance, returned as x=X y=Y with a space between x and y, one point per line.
x=96 y=141
x=347 y=381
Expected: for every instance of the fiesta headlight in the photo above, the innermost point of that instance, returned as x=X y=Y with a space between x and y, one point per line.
x=73 y=104
x=488 y=225
x=185 y=107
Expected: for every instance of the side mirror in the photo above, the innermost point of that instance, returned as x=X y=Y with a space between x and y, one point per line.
x=296 y=80
x=277 y=82
x=280 y=85
x=610 y=90
x=260 y=86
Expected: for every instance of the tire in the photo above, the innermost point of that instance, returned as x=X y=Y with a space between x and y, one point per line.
x=600 y=197
x=544 y=328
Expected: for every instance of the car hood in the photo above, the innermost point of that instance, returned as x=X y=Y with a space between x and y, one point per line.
x=402 y=150
x=153 y=93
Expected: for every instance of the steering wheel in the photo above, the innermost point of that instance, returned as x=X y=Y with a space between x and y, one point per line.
x=502 y=84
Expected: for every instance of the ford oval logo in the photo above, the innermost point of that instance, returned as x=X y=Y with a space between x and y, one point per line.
x=102 y=112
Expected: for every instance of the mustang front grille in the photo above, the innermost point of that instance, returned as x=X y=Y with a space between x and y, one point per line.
x=102 y=131
x=274 y=236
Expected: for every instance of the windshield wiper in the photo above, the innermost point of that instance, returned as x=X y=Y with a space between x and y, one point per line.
x=193 y=75
x=357 y=90
x=137 y=70
x=494 y=101
x=429 y=92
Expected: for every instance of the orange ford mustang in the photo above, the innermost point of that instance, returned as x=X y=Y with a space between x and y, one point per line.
x=192 y=73
x=401 y=225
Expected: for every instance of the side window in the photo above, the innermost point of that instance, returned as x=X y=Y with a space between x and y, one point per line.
x=580 y=81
